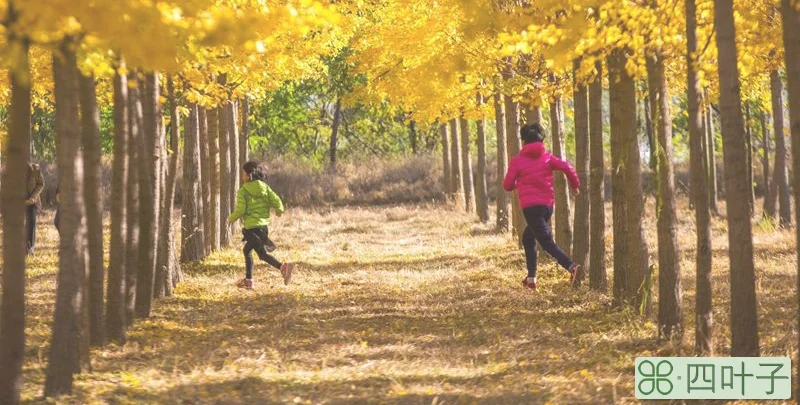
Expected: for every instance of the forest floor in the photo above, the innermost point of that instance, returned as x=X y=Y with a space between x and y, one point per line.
x=397 y=305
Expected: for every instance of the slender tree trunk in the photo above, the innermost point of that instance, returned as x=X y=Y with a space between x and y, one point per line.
x=502 y=163
x=704 y=317
x=149 y=197
x=631 y=260
x=598 y=280
x=780 y=176
x=335 y=133
x=205 y=181
x=580 y=248
x=212 y=118
x=670 y=307
x=533 y=115
x=448 y=190
x=14 y=194
x=562 y=210
x=233 y=143
x=744 y=318
x=711 y=161
x=115 y=305
x=135 y=138
x=648 y=126
x=166 y=244
x=765 y=163
x=791 y=41
x=481 y=193
x=192 y=209
x=466 y=166
x=748 y=146
x=412 y=134
x=66 y=345
x=456 y=182
x=512 y=149
x=90 y=128
x=244 y=135
x=225 y=181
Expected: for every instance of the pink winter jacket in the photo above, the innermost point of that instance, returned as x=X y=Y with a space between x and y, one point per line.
x=531 y=173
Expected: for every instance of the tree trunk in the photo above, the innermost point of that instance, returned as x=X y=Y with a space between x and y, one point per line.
x=204 y=180
x=791 y=41
x=244 y=135
x=14 y=194
x=481 y=193
x=630 y=247
x=149 y=196
x=192 y=209
x=748 y=147
x=648 y=127
x=598 y=280
x=90 y=128
x=233 y=143
x=115 y=307
x=135 y=138
x=670 y=308
x=744 y=318
x=225 y=181
x=562 y=210
x=580 y=247
x=412 y=134
x=456 y=183
x=512 y=149
x=711 y=161
x=215 y=192
x=533 y=115
x=780 y=176
x=466 y=166
x=502 y=163
x=66 y=345
x=448 y=191
x=166 y=243
x=335 y=132
x=768 y=211
x=704 y=318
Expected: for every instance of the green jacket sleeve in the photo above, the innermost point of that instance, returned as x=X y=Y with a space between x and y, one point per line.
x=275 y=201
x=241 y=206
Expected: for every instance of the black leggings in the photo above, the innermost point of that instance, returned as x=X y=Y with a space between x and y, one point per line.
x=256 y=239
x=30 y=232
x=538 y=229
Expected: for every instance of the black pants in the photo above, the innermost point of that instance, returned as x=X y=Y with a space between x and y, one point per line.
x=538 y=229
x=30 y=231
x=256 y=239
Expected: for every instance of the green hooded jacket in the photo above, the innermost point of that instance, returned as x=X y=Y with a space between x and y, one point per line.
x=254 y=201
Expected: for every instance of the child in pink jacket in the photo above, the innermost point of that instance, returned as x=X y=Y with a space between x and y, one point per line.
x=531 y=174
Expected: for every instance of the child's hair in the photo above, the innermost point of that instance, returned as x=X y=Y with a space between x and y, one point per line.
x=255 y=171
x=531 y=133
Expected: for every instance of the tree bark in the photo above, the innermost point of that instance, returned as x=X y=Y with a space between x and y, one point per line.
x=192 y=239
x=413 y=138
x=704 y=316
x=205 y=180
x=225 y=181
x=502 y=163
x=90 y=128
x=780 y=177
x=212 y=118
x=598 y=279
x=466 y=166
x=149 y=196
x=66 y=347
x=244 y=135
x=580 y=247
x=648 y=126
x=448 y=190
x=14 y=194
x=765 y=164
x=562 y=208
x=233 y=143
x=670 y=307
x=335 y=133
x=748 y=147
x=711 y=161
x=481 y=193
x=456 y=182
x=791 y=41
x=744 y=317
x=512 y=110
x=115 y=307
x=631 y=260
x=135 y=138
x=168 y=266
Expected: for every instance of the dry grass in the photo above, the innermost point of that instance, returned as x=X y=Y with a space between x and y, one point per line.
x=396 y=305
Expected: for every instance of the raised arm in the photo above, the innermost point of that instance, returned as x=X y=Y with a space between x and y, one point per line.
x=510 y=182
x=563 y=166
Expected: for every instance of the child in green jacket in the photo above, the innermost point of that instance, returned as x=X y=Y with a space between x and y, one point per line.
x=254 y=202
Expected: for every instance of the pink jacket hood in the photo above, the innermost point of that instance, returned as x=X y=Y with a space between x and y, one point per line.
x=531 y=174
